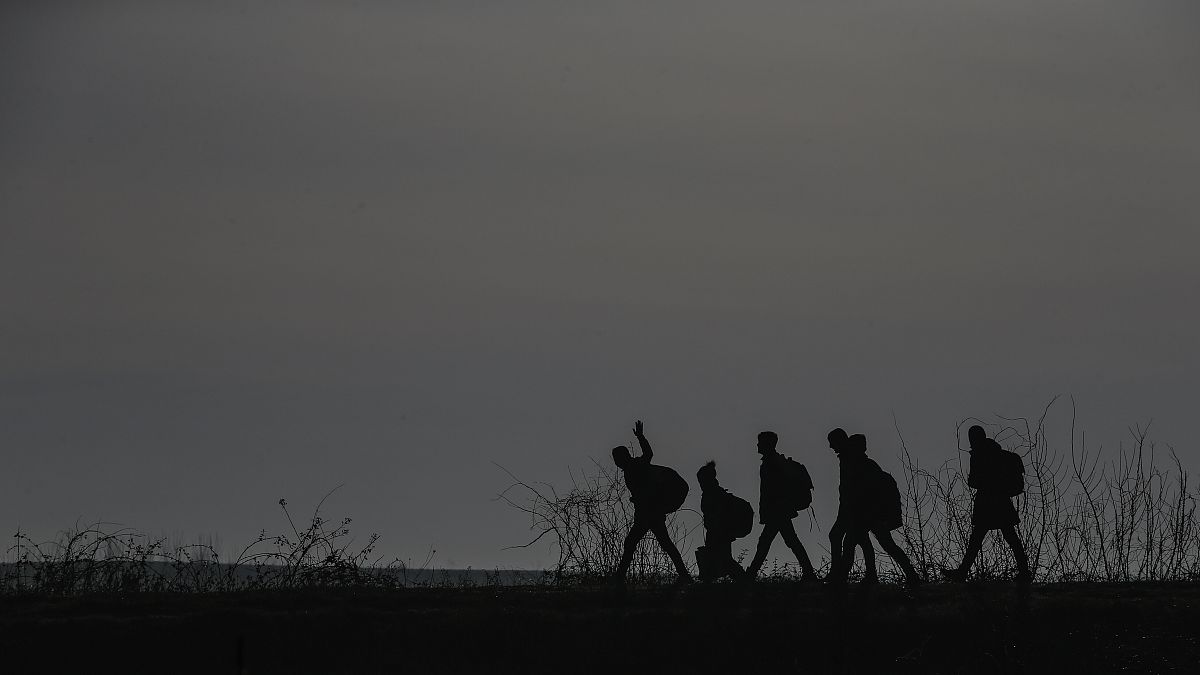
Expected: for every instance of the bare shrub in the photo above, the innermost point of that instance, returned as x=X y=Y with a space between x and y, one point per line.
x=586 y=526
x=101 y=559
x=1131 y=517
x=1085 y=516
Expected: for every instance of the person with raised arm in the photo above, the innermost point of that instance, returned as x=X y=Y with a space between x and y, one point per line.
x=655 y=491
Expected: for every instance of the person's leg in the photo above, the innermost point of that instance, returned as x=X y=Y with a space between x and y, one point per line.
x=729 y=566
x=839 y=574
x=664 y=540
x=870 y=573
x=789 y=537
x=1018 y=549
x=764 y=547
x=836 y=533
x=973 y=545
x=706 y=561
x=635 y=535
x=893 y=549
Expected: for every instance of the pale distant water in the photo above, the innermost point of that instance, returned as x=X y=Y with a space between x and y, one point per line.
x=473 y=577
x=413 y=578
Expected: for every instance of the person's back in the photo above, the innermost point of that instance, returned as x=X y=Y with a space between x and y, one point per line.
x=993 y=508
x=713 y=505
x=881 y=501
x=986 y=467
x=636 y=471
x=726 y=516
x=774 y=501
x=859 y=476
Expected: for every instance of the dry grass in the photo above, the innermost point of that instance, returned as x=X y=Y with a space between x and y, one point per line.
x=1086 y=515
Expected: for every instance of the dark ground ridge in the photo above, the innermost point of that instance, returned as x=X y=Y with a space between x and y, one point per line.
x=765 y=627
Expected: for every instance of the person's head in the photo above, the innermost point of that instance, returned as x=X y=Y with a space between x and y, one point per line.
x=621 y=456
x=707 y=476
x=976 y=436
x=767 y=440
x=857 y=444
x=837 y=440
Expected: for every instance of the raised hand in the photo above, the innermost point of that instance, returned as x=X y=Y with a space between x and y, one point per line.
x=638 y=430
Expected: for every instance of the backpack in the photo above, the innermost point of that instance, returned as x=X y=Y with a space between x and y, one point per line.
x=666 y=489
x=889 y=512
x=799 y=484
x=1011 y=479
x=739 y=516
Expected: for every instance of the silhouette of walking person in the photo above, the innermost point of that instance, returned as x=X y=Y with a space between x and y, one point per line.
x=870 y=502
x=727 y=517
x=784 y=489
x=837 y=533
x=655 y=492
x=997 y=475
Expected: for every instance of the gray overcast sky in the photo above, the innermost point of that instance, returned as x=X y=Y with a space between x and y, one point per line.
x=252 y=250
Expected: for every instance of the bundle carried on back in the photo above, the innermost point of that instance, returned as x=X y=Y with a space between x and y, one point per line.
x=665 y=490
x=736 y=516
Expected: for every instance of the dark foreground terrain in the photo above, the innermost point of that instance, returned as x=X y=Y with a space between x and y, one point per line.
x=767 y=627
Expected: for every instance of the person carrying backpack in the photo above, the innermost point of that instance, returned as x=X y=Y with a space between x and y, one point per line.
x=870 y=502
x=655 y=492
x=997 y=475
x=784 y=489
x=838 y=441
x=726 y=517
